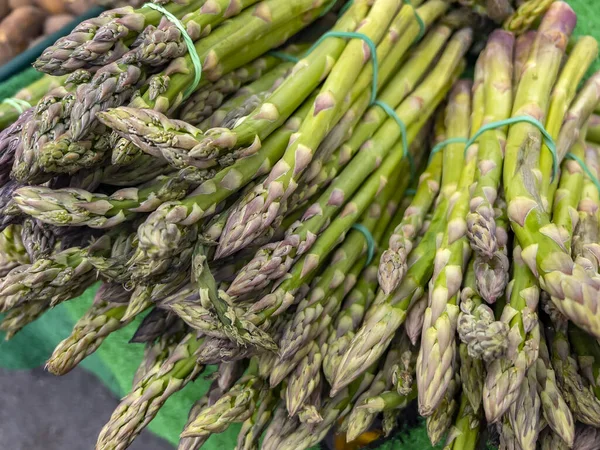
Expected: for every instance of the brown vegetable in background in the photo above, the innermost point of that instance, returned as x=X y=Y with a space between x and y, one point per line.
x=57 y=22
x=18 y=29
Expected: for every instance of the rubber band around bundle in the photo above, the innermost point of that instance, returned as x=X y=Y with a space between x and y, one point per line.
x=585 y=168
x=18 y=104
x=188 y=42
x=284 y=56
x=499 y=124
x=390 y=112
x=370 y=241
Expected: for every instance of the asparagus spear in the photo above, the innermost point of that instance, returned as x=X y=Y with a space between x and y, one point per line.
x=140 y=406
x=203 y=202
x=156 y=322
x=524 y=413
x=20 y=316
x=586 y=438
x=443 y=416
x=434 y=366
x=360 y=419
x=60 y=277
x=562 y=110
x=161 y=44
x=12 y=251
x=526 y=14
x=103 y=318
x=236 y=405
x=208 y=104
x=486 y=339
x=103 y=39
x=262 y=206
x=299 y=239
x=253 y=427
x=480 y=221
x=541 y=250
x=315 y=312
x=9 y=143
x=30 y=94
x=114 y=84
x=506 y=374
x=554 y=407
x=465 y=433
x=388 y=312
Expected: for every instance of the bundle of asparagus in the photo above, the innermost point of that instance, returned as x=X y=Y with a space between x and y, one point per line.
x=260 y=217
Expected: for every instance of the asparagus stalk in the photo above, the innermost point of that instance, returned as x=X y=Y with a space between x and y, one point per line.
x=525 y=15
x=31 y=94
x=480 y=222
x=12 y=251
x=465 y=433
x=580 y=59
x=541 y=249
x=70 y=206
x=554 y=407
x=140 y=406
x=300 y=238
x=486 y=339
x=208 y=104
x=60 y=277
x=524 y=413
x=586 y=438
x=20 y=316
x=442 y=418
x=593 y=129
x=506 y=374
x=10 y=142
x=389 y=312
x=315 y=312
x=236 y=405
x=159 y=45
x=263 y=205
x=103 y=318
x=434 y=366
x=253 y=427
x=103 y=39
x=360 y=419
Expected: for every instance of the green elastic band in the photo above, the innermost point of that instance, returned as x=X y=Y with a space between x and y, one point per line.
x=284 y=56
x=444 y=144
x=502 y=123
x=372 y=47
x=410 y=191
x=347 y=6
x=420 y=21
x=370 y=241
x=332 y=4
x=188 y=42
x=390 y=112
x=585 y=168
x=19 y=105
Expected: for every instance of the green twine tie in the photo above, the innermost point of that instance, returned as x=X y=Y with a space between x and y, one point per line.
x=390 y=112
x=370 y=241
x=419 y=19
x=284 y=56
x=190 y=45
x=19 y=105
x=499 y=124
x=585 y=168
